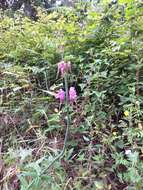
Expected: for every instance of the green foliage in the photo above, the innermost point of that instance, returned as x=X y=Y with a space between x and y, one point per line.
x=105 y=49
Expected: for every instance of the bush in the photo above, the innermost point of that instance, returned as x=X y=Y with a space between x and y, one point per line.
x=105 y=48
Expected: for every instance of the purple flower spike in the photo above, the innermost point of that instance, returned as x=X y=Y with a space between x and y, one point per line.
x=64 y=67
x=72 y=95
x=60 y=95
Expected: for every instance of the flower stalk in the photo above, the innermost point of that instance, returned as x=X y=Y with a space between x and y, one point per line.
x=67 y=126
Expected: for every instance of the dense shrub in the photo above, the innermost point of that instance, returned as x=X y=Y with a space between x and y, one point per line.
x=106 y=137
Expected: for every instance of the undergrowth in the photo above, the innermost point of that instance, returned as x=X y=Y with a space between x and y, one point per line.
x=105 y=145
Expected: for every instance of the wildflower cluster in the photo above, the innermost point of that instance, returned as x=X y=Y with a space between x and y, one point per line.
x=63 y=68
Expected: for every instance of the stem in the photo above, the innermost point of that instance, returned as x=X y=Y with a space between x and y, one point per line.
x=30 y=185
x=67 y=127
x=138 y=80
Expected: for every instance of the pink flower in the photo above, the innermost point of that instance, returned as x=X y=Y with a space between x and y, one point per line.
x=64 y=67
x=72 y=95
x=60 y=95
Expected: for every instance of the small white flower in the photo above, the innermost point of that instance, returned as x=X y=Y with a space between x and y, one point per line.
x=128 y=152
